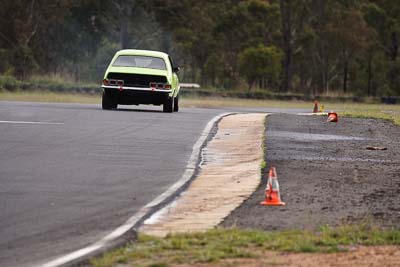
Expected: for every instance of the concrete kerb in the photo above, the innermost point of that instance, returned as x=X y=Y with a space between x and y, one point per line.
x=128 y=231
x=204 y=203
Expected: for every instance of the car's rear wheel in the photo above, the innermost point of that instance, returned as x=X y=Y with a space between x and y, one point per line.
x=168 y=105
x=108 y=102
x=176 y=103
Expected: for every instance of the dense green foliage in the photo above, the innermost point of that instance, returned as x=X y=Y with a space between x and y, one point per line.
x=260 y=64
x=301 y=46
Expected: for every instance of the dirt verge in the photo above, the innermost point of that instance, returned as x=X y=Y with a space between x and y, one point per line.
x=327 y=175
x=361 y=256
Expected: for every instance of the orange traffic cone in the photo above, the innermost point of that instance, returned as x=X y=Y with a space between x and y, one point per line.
x=315 y=107
x=272 y=196
x=332 y=117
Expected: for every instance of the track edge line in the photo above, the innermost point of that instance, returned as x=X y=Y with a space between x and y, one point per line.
x=80 y=255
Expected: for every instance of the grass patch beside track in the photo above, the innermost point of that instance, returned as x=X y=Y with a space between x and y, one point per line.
x=378 y=111
x=219 y=244
x=357 y=110
x=40 y=96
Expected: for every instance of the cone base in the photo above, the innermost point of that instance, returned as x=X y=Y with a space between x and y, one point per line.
x=265 y=203
x=332 y=117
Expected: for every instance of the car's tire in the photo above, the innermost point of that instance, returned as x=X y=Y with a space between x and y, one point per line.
x=168 y=105
x=108 y=102
x=176 y=103
x=115 y=104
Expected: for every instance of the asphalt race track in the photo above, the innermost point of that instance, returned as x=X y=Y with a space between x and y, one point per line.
x=71 y=173
x=65 y=185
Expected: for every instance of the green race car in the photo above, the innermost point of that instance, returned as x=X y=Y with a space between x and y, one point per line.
x=141 y=77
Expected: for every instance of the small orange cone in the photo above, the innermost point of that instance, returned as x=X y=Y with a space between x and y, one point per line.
x=332 y=117
x=272 y=196
x=315 y=107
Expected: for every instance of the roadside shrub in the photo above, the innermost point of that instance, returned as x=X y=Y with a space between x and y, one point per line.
x=8 y=83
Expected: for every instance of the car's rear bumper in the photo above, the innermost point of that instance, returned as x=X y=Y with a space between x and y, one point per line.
x=122 y=88
x=135 y=97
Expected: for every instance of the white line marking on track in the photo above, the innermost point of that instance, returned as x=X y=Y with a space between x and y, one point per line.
x=32 y=122
x=130 y=223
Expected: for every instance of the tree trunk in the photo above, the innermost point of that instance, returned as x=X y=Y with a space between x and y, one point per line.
x=203 y=78
x=124 y=34
x=369 y=73
x=395 y=46
x=325 y=82
x=213 y=78
x=250 y=84
x=287 y=44
x=193 y=72
x=345 y=75
x=345 y=69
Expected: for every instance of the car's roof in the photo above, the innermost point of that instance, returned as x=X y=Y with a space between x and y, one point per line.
x=137 y=52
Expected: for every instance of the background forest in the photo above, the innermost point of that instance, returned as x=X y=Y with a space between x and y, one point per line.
x=311 y=47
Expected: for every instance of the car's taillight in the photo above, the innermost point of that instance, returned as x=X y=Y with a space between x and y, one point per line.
x=105 y=82
x=160 y=86
x=120 y=83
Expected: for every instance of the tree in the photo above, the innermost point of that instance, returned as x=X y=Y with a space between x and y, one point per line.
x=384 y=17
x=351 y=33
x=22 y=28
x=327 y=45
x=293 y=14
x=260 y=62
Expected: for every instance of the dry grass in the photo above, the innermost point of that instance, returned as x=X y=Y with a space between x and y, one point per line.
x=379 y=111
x=215 y=102
x=33 y=96
x=358 y=110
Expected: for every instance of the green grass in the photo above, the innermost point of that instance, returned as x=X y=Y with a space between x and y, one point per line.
x=379 y=111
x=219 y=244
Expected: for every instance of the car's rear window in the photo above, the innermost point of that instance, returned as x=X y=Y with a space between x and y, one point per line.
x=140 y=62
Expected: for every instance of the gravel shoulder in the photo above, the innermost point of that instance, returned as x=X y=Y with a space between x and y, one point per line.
x=326 y=174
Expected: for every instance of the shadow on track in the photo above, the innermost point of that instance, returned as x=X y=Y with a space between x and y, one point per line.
x=138 y=110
